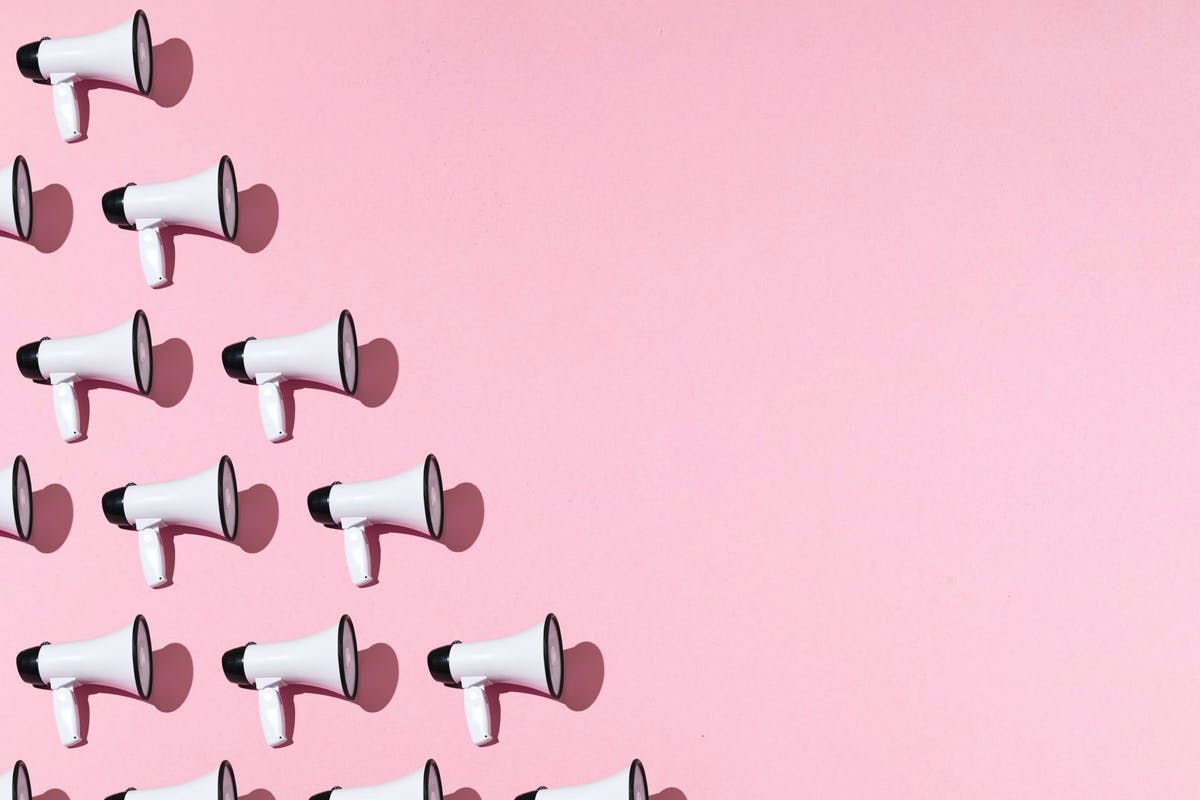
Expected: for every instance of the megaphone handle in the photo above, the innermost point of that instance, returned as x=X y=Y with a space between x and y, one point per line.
x=270 y=713
x=358 y=555
x=66 y=411
x=66 y=716
x=66 y=110
x=154 y=567
x=270 y=407
x=479 y=718
x=151 y=250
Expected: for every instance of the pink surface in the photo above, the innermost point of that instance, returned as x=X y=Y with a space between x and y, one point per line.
x=829 y=372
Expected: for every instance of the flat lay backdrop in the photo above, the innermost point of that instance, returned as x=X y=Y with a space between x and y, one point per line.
x=829 y=369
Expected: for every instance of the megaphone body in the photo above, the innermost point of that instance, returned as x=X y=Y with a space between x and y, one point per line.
x=628 y=784
x=16 y=512
x=207 y=200
x=327 y=660
x=206 y=500
x=119 y=660
x=122 y=354
x=216 y=785
x=327 y=355
x=18 y=779
x=122 y=54
x=532 y=658
x=424 y=784
x=412 y=499
x=16 y=218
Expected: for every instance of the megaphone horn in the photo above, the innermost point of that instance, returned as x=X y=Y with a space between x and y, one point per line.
x=122 y=54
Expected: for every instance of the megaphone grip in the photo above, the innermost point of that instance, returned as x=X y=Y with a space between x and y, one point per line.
x=270 y=713
x=66 y=716
x=150 y=549
x=270 y=407
x=151 y=251
x=66 y=110
x=358 y=555
x=66 y=411
x=479 y=718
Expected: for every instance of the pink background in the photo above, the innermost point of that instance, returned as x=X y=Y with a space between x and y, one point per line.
x=829 y=372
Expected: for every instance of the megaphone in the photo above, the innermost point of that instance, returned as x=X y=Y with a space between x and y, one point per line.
x=327 y=660
x=412 y=499
x=16 y=517
x=122 y=354
x=216 y=785
x=18 y=779
x=207 y=200
x=122 y=54
x=207 y=500
x=326 y=355
x=119 y=660
x=424 y=784
x=628 y=784
x=532 y=658
x=16 y=218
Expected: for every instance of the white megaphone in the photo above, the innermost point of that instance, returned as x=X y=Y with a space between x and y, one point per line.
x=532 y=658
x=120 y=660
x=16 y=218
x=424 y=784
x=412 y=499
x=122 y=55
x=326 y=355
x=18 y=779
x=16 y=517
x=628 y=784
x=216 y=785
x=122 y=354
x=327 y=660
x=207 y=200
x=207 y=500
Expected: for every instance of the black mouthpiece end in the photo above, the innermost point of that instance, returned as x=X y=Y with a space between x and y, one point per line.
x=27 y=62
x=439 y=666
x=118 y=795
x=324 y=795
x=113 y=503
x=113 y=203
x=318 y=506
x=529 y=795
x=233 y=358
x=235 y=669
x=27 y=666
x=27 y=362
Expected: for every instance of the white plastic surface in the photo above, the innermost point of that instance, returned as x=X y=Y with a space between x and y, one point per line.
x=66 y=107
x=270 y=407
x=358 y=555
x=150 y=551
x=150 y=248
x=270 y=712
x=475 y=703
x=66 y=713
x=66 y=406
